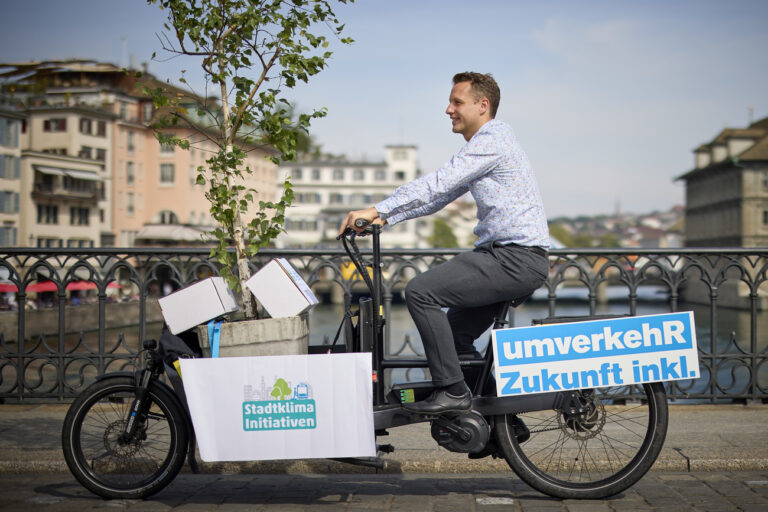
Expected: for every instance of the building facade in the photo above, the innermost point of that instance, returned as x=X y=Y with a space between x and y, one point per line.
x=94 y=122
x=726 y=194
x=10 y=176
x=326 y=190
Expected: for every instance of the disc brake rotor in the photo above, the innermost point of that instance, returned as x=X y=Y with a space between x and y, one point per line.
x=115 y=445
x=583 y=425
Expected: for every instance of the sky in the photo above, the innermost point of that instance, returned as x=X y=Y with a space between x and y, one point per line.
x=607 y=98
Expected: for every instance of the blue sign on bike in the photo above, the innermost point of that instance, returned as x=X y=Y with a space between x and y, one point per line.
x=597 y=353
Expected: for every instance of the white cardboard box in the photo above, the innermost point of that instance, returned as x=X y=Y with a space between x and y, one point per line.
x=197 y=303
x=280 y=289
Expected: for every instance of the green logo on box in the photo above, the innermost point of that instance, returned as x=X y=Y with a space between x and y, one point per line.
x=290 y=409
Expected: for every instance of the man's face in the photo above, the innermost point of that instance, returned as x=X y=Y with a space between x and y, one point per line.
x=467 y=114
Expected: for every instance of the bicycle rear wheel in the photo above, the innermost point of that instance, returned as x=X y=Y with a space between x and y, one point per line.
x=110 y=466
x=597 y=453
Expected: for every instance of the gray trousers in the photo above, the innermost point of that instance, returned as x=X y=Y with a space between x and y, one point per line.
x=472 y=286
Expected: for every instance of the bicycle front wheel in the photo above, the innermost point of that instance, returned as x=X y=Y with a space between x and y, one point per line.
x=592 y=454
x=108 y=464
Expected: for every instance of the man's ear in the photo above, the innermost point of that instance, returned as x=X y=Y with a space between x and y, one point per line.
x=485 y=105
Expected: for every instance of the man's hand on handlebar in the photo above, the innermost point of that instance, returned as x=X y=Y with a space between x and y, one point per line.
x=358 y=220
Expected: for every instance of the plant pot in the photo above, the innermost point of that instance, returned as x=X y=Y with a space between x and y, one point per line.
x=263 y=337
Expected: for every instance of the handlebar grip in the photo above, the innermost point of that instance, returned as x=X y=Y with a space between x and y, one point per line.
x=361 y=223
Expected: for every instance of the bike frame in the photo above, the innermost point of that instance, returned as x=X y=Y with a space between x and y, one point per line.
x=387 y=414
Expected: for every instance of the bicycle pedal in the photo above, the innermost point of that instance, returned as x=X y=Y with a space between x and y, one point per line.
x=384 y=448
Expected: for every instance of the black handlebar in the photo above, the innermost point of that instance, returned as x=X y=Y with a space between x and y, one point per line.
x=359 y=224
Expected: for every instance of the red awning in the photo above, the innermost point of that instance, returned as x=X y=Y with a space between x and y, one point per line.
x=50 y=286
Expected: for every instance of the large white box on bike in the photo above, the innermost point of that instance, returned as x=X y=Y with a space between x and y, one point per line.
x=596 y=353
x=280 y=289
x=281 y=407
x=197 y=303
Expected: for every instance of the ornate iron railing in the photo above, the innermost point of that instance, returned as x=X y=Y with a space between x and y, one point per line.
x=50 y=347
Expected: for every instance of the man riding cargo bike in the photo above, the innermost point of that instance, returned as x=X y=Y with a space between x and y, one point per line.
x=127 y=435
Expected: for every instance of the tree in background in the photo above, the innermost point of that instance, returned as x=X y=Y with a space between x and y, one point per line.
x=442 y=234
x=250 y=51
x=609 y=240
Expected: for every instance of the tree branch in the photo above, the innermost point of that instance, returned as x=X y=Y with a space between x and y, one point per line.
x=256 y=86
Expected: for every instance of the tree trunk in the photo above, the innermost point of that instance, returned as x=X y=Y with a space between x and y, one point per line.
x=249 y=306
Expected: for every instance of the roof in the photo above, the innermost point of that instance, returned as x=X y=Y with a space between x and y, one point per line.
x=757 y=131
x=757 y=152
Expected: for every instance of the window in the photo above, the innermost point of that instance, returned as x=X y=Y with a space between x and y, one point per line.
x=102 y=215
x=400 y=175
x=336 y=198
x=9 y=133
x=301 y=225
x=147 y=110
x=338 y=175
x=123 y=110
x=296 y=174
x=47 y=214
x=43 y=242
x=166 y=149
x=55 y=125
x=129 y=203
x=167 y=217
x=765 y=179
x=166 y=173
x=358 y=175
x=85 y=152
x=130 y=175
x=9 y=202
x=101 y=128
x=79 y=216
x=131 y=143
x=86 y=125
x=765 y=217
x=380 y=175
x=315 y=174
x=10 y=167
x=79 y=186
x=101 y=155
x=8 y=236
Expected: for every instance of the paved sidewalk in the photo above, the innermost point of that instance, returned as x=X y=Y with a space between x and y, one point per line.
x=700 y=438
x=479 y=492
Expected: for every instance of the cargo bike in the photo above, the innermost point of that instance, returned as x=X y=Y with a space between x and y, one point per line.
x=129 y=434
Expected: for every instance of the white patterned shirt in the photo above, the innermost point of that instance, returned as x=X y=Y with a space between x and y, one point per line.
x=495 y=170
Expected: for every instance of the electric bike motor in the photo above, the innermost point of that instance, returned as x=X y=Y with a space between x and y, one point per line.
x=471 y=422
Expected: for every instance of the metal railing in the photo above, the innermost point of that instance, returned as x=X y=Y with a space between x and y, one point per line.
x=50 y=347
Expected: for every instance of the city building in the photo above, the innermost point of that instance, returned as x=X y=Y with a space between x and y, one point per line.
x=66 y=172
x=88 y=126
x=326 y=190
x=10 y=176
x=726 y=193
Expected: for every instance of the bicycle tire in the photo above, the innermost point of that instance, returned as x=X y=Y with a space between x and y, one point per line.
x=125 y=471
x=591 y=459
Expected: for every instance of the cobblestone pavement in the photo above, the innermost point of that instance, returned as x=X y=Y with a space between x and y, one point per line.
x=660 y=491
